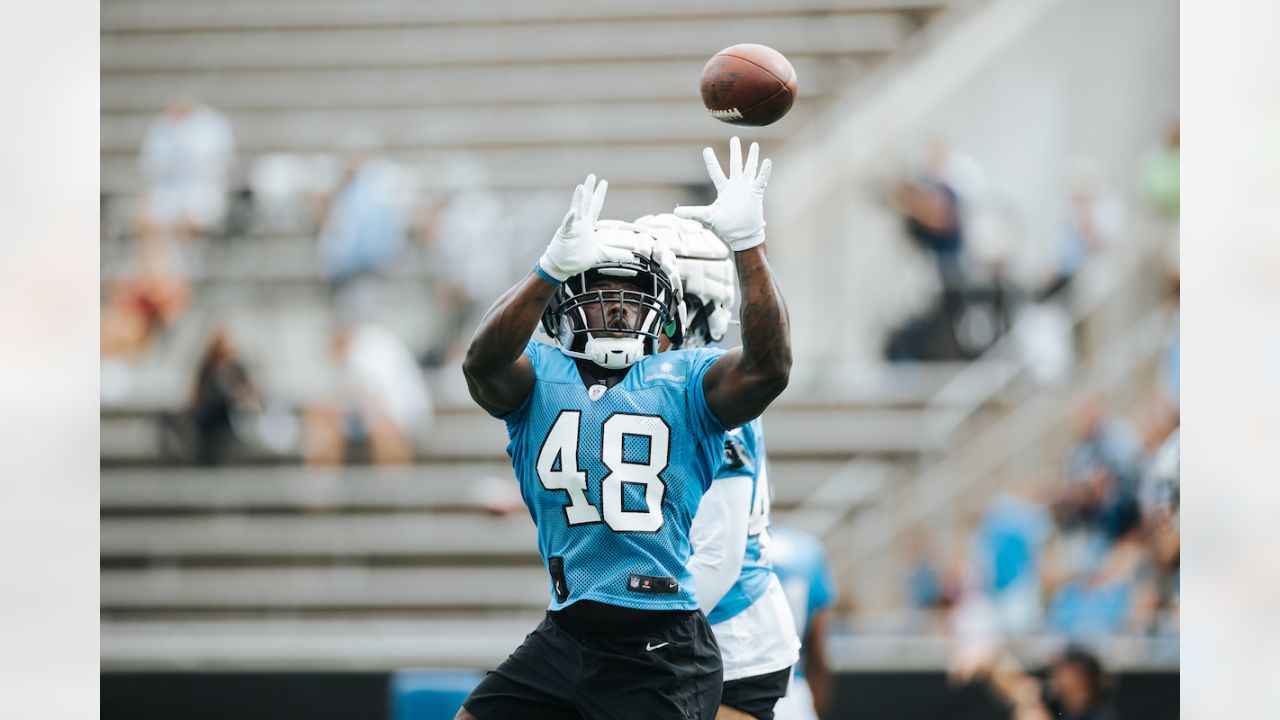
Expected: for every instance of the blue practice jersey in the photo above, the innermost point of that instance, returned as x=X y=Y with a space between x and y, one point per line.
x=801 y=565
x=613 y=477
x=744 y=453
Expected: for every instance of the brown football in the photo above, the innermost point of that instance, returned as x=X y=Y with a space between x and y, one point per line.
x=748 y=84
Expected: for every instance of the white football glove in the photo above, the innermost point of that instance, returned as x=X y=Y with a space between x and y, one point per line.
x=573 y=249
x=737 y=215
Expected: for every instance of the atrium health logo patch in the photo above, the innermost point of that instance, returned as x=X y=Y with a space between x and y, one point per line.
x=665 y=369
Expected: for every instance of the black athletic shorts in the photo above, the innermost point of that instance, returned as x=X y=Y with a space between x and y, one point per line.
x=666 y=665
x=757 y=695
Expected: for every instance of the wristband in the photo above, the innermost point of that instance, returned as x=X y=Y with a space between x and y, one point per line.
x=546 y=275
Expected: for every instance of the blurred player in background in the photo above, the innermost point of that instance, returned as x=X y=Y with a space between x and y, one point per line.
x=801 y=565
x=614 y=444
x=736 y=588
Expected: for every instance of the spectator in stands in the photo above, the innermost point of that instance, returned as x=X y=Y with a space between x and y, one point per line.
x=930 y=206
x=934 y=202
x=379 y=405
x=1101 y=468
x=1092 y=220
x=1007 y=550
x=141 y=304
x=1116 y=595
x=366 y=219
x=1160 y=182
x=1075 y=688
x=926 y=584
x=186 y=160
x=223 y=389
x=1159 y=499
x=472 y=216
x=1160 y=176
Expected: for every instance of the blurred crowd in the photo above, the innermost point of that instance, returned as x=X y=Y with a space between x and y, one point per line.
x=1095 y=551
x=367 y=213
x=1094 y=554
x=991 y=281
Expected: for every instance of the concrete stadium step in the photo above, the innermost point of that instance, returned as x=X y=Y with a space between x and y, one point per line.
x=522 y=84
x=417 y=535
x=436 y=487
x=348 y=588
x=290 y=488
x=300 y=274
x=694 y=38
x=255 y=254
x=136 y=438
x=680 y=122
x=469 y=640
x=133 y=16
x=514 y=173
x=809 y=434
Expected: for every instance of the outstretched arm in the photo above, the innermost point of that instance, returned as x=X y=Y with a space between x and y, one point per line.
x=742 y=383
x=498 y=373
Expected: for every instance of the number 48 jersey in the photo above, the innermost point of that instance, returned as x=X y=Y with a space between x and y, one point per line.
x=613 y=478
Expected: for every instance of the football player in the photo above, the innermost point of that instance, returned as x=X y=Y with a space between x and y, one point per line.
x=801 y=564
x=743 y=599
x=614 y=444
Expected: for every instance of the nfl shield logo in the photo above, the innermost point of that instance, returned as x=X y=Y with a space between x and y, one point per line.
x=596 y=392
x=635 y=583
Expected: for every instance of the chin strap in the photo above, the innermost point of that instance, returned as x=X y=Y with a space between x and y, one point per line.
x=610 y=353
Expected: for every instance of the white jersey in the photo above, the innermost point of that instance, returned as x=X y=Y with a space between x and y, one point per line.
x=744 y=601
x=761 y=639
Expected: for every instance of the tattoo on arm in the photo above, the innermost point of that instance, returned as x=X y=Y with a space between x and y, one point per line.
x=742 y=383
x=766 y=328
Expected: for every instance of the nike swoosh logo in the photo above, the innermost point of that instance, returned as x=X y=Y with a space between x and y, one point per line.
x=651 y=647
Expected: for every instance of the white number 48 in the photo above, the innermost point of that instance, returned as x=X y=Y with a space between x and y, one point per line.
x=561 y=448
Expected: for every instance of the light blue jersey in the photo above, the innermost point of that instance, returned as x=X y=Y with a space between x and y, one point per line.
x=801 y=565
x=745 y=453
x=613 y=477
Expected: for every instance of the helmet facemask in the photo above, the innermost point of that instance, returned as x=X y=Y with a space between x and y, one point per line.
x=614 y=327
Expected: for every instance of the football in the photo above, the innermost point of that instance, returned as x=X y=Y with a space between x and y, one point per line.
x=748 y=84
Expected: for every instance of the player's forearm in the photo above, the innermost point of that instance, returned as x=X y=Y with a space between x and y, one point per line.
x=766 y=329
x=506 y=328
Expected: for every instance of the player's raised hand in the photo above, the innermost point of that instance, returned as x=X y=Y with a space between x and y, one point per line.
x=737 y=215
x=574 y=249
